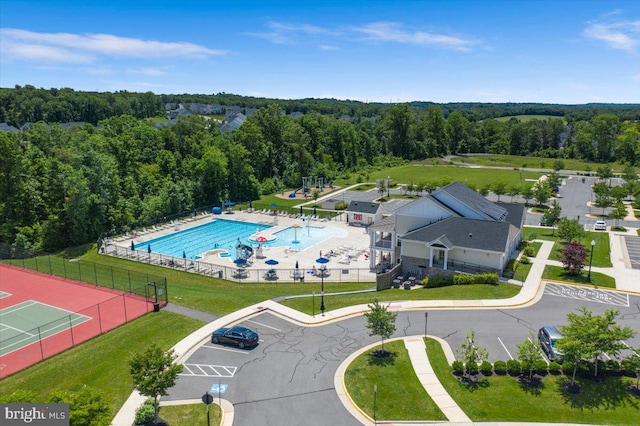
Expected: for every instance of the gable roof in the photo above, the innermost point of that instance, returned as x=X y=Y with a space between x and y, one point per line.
x=363 y=207
x=471 y=199
x=465 y=233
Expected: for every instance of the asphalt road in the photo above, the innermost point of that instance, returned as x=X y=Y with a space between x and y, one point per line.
x=288 y=378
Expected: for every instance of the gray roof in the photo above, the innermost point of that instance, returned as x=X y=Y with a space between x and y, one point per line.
x=472 y=199
x=515 y=213
x=363 y=207
x=466 y=233
x=4 y=127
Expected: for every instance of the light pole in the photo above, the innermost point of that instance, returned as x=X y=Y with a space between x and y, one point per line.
x=426 y=317
x=375 y=397
x=593 y=243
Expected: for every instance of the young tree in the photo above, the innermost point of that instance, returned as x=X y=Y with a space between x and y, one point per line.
x=632 y=363
x=527 y=194
x=603 y=195
x=470 y=352
x=553 y=180
x=381 y=187
x=154 y=372
x=542 y=193
x=552 y=216
x=573 y=257
x=499 y=188
x=558 y=165
x=380 y=321
x=618 y=213
x=513 y=191
x=605 y=173
x=598 y=334
x=570 y=229
x=529 y=352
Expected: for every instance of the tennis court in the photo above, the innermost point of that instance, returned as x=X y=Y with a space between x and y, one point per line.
x=42 y=315
x=30 y=321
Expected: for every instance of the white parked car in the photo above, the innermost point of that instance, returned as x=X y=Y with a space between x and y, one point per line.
x=600 y=225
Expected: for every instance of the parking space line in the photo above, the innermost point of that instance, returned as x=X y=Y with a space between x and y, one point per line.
x=505 y=348
x=264 y=325
x=206 y=370
x=222 y=348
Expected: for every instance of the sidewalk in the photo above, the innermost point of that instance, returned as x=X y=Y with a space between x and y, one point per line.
x=532 y=290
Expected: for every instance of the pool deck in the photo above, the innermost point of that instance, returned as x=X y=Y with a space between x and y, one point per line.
x=349 y=248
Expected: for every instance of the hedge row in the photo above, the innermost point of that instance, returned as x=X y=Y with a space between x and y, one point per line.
x=514 y=367
x=460 y=279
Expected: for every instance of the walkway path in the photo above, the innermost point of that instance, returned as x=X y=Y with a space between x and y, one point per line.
x=532 y=290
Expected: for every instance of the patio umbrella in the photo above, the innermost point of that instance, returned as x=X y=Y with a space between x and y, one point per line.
x=184 y=254
x=133 y=247
x=300 y=209
x=273 y=205
x=271 y=262
x=314 y=210
x=240 y=261
x=149 y=248
x=229 y=204
x=297 y=264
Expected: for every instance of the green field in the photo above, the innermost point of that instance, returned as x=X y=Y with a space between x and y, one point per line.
x=514 y=161
x=526 y=117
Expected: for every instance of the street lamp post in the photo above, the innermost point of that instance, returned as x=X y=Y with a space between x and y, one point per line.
x=375 y=397
x=593 y=243
x=426 y=317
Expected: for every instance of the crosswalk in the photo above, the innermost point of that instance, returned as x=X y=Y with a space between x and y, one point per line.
x=208 y=370
x=587 y=294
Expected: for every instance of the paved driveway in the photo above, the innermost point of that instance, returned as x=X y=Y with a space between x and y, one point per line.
x=288 y=378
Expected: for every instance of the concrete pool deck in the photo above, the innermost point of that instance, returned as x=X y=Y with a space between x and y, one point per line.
x=347 y=249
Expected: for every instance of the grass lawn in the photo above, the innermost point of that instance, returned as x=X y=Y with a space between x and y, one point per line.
x=558 y=273
x=190 y=414
x=535 y=162
x=504 y=399
x=400 y=395
x=102 y=363
x=418 y=173
x=601 y=254
x=456 y=292
x=522 y=272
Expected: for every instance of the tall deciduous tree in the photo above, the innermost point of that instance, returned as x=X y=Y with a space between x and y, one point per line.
x=154 y=372
x=570 y=229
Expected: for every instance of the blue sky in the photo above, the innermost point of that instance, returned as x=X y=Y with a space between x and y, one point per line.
x=568 y=52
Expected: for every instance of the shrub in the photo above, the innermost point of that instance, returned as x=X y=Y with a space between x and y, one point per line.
x=462 y=279
x=486 y=368
x=472 y=368
x=425 y=281
x=489 y=278
x=341 y=205
x=528 y=251
x=458 y=367
x=146 y=413
x=554 y=368
x=525 y=260
x=612 y=367
x=513 y=367
x=540 y=367
x=500 y=367
x=439 y=281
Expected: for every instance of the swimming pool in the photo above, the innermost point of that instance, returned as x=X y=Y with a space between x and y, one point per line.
x=224 y=234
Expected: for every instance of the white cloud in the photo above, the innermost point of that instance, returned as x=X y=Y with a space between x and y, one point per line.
x=327 y=47
x=67 y=47
x=622 y=35
x=151 y=72
x=283 y=33
x=393 y=32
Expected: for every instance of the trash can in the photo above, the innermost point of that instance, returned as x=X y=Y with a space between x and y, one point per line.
x=220 y=273
x=156 y=307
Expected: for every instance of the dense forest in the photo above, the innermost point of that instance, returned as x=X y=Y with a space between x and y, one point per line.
x=62 y=186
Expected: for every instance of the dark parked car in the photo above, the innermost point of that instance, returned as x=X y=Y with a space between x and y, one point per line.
x=238 y=335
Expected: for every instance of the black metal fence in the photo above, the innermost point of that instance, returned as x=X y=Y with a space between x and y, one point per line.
x=148 y=286
x=245 y=273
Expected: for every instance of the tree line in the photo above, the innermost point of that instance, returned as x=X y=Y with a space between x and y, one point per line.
x=61 y=187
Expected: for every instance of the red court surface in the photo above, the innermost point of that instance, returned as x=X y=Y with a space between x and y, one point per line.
x=106 y=308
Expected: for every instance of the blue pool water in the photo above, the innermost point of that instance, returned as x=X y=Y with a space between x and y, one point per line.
x=224 y=234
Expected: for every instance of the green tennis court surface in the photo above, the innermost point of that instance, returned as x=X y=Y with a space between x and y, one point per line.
x=29 y=321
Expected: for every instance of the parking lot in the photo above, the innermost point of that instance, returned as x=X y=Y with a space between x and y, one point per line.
x=633 y=249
